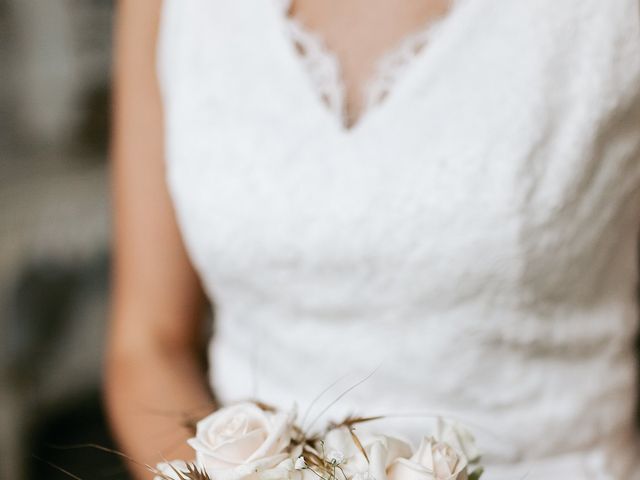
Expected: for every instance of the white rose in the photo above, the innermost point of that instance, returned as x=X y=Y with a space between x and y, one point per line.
x=239 y=441
x=381 y=452
x=285 y=470
x=288 y=470
x=433 y=460
x=459 y=438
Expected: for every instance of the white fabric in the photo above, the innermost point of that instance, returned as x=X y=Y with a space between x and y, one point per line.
x=472 y=240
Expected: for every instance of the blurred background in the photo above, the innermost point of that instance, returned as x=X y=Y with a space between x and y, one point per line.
x=54 y=93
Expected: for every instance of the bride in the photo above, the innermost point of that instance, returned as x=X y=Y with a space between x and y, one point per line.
x=434 y=202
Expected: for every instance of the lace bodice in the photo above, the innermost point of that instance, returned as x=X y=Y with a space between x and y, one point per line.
x=469 y=245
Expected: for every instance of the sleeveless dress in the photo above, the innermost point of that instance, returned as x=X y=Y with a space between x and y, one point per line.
x=467 y=248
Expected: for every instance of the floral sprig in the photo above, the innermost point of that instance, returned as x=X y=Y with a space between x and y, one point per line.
x=179 y=470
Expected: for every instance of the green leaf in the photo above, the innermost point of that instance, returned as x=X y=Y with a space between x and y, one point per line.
x=475 y=475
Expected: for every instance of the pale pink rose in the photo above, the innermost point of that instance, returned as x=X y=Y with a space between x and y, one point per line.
x=381 y=452
x=458 y=437
x=239 y=441
x=433 y=460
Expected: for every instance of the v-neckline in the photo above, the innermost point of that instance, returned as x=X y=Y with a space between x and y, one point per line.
x=303 y=81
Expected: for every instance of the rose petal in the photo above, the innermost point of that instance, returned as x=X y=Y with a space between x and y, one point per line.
x=424 y=454
x=458 y=437
x=403 y=469
x=244 y=471
x=279 y=435
x=243 y=449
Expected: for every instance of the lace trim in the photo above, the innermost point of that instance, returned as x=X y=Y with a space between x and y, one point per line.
x=325 y=72
x=395 y=62
x=322 y=67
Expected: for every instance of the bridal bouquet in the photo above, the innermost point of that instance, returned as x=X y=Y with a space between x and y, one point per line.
x=249 y=441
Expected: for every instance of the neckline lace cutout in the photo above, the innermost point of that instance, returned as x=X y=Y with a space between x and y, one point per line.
x=325 y=73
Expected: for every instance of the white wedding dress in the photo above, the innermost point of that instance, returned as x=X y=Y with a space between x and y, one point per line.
x=469 y=246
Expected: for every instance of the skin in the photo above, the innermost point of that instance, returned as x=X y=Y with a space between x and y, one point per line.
x=154 y=375
x=153 y=372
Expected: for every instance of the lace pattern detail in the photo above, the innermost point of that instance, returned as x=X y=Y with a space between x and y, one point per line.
x=321 y=66
x=393 y=64
x=325 y=73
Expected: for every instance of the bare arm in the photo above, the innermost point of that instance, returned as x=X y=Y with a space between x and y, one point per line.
x=152 y=368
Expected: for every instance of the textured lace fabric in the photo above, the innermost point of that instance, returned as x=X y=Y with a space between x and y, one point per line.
x=469 y=246
x=324 y=69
